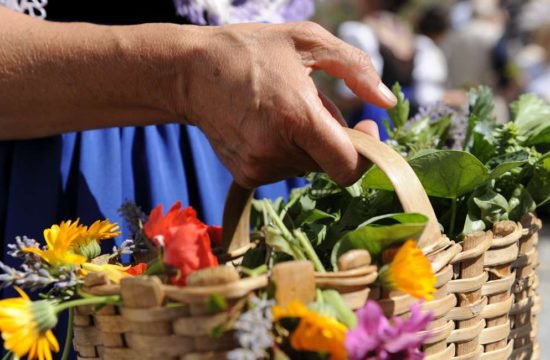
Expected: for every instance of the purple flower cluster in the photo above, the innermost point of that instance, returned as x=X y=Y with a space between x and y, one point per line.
x=377 y=338
x=219 y=12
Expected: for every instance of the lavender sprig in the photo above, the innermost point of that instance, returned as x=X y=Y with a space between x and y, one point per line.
x=254 y=331
x=126 y=248
x=22 y=242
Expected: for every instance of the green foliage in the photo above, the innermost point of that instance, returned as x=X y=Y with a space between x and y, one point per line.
x=480 y=139
x=443 y=173
x=532 y=117
x=380 y=233
x=500 y=174
x=399 y=114
x=539 y=184
x=216 y=303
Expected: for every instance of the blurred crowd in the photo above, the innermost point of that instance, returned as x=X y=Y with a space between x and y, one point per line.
x=438 y=49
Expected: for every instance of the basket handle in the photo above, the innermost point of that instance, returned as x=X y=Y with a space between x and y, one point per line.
x=409 y=190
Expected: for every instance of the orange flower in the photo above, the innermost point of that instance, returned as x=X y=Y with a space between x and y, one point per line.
x=411 y=272
x=315 y=332
x=137 y=270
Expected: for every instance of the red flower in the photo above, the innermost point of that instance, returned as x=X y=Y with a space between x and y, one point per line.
x=158 y=225
x=188 y=251
x=137 y=269
x=186 y=240
x=215 y=233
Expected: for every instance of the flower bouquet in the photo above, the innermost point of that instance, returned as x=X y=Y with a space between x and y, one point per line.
x=363 y=272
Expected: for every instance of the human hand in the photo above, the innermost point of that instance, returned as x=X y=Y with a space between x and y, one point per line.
x=248 y=88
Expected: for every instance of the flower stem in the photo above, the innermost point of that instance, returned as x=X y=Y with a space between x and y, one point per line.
x=96 y=300
x=453 y=217
x=7 y=356
x=69 y=336
x=285 y=233
x=310 y=252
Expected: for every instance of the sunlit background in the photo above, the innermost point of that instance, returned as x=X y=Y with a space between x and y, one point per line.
x=437 y=49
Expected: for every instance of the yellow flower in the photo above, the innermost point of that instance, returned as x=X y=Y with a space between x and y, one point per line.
x=88 y=244
x=26 y=327
x=60 y=242
x=410 y=271
x=315 y=332
x=100 y=230
x=114 y=273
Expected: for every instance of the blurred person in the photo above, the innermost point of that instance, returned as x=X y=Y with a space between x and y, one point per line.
x=430 y=64
x=540 y=78
x=389 y=41
x=469 y=50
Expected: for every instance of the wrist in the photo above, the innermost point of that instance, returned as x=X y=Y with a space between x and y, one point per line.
x=157 y=58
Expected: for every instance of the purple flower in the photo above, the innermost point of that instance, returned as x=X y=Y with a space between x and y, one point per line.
x=375 y=337
x=218 y=12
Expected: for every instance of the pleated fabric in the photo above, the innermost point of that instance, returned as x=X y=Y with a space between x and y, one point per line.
x=87 y=175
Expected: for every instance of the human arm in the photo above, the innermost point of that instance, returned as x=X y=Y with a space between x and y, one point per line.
x=246 y=86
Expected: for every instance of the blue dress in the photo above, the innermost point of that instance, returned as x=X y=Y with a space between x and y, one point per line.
x=89 y=174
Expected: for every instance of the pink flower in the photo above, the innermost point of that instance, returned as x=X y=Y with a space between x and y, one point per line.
x=377 y=338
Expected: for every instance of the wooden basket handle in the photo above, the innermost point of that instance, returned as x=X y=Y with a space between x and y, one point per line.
x=409 y=190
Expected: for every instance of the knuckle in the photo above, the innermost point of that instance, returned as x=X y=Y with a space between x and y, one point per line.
x=309 y=30
x=361 y=58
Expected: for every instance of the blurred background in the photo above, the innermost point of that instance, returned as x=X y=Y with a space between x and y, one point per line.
x=437 y=49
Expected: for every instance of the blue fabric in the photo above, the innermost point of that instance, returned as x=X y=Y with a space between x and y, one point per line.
x=88 y=175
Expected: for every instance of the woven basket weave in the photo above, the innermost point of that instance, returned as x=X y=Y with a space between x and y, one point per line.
x=484 y=308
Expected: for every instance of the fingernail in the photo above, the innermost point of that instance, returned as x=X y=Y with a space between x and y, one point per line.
x=387 y=93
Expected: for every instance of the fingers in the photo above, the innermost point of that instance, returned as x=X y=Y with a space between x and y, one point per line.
x=368 y=127
x=333 y=109
x=322 y=50
x=330 y=147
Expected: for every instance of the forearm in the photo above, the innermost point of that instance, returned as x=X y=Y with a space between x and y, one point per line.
x=59 y=77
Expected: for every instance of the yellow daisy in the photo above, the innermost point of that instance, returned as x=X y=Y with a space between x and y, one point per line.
x=100 y=230
x=315 y=332
x=410 y=271
x=26 y=327
x=60 y=241
x=88 y=244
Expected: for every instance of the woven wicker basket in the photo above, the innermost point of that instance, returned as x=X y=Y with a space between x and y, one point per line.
x=484 y=308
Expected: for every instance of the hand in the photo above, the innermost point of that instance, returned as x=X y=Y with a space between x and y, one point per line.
x=248 y=87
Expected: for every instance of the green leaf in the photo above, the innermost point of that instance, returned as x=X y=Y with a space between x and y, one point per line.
x=216 y=303
x=399 y=114
x=380 y=233
x=278 y=242
x=492 y=205
x=343 y=313
x=443 y=173
x=255 y=257
x=481 y=122
x=506 y=162
x=539 y=185
x=473 y=224
x=520 y=203
x=532 y=117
